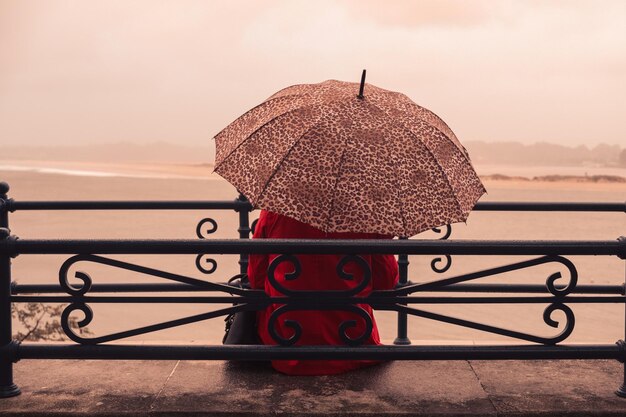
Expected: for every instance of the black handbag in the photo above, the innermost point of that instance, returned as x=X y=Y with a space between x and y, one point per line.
x=240 y=327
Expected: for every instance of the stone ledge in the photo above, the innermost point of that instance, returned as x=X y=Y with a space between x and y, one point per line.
x=408 y=388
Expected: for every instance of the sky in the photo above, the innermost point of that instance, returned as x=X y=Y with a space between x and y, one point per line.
x=178 y=71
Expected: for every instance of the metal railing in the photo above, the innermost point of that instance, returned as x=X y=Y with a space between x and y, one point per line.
x=406 y=299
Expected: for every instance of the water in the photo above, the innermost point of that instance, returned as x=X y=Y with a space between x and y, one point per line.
x=112 y=171
x=107 y=172
x=595 y=323
x=537 y=171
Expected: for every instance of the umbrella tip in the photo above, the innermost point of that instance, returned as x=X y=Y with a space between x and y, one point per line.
x=362 y=85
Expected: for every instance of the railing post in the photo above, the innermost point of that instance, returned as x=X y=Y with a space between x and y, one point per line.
x=621 y=391
x=7 y=387
x=244 y=232
x=403 y=272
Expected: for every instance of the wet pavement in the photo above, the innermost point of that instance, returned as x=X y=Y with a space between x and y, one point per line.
x=401 y=388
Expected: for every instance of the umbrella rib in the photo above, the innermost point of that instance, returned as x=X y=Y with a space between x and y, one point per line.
x=463 y=151
x=332 y=194
x=445 y=176
x=275 y=95
x=294 y=145
x=280 y=163
x=405 y=127
x=402 y=216
x=412 y=103
x=252 y=133
x=271 y=98
x=306 y=106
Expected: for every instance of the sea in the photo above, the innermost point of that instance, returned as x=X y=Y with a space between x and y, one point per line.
x=595 y=323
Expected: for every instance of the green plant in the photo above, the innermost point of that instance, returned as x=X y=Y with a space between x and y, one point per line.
x=37 y=321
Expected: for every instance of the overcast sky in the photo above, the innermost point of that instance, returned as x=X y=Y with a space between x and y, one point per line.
x=81 y=72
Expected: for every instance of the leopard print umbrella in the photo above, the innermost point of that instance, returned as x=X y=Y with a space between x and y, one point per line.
x=324 y=155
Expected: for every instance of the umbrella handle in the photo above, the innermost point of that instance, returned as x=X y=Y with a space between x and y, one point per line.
x=362 y=85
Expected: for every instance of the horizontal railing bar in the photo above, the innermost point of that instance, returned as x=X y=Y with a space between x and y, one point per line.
x=255 y=352
x=137 y=300
x=109 y=288
x=127 y=205
x=14 y=205
x=549 y=206
x=530 y=288
x=311 y=246
x=470 y=288
x=381 y=302
x=501 y=300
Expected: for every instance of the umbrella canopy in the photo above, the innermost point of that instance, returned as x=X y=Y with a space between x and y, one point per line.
x=345 y=161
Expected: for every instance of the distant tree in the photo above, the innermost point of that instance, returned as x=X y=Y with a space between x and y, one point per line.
x=622 y=158
x=42 y=322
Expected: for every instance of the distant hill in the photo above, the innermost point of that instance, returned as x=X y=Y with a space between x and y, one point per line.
x=496 y=153
x=114 y=152
x=545 y=154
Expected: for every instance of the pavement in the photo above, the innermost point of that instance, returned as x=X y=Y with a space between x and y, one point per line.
x=401 y=388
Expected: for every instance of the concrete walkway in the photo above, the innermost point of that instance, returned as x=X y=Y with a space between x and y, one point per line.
x=409 y=388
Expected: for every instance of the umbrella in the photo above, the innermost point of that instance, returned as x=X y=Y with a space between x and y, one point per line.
x=349 y=157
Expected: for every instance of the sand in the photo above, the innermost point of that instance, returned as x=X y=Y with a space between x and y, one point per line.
x=595 y=323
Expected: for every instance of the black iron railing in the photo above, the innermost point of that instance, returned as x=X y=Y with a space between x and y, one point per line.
x=406 y=299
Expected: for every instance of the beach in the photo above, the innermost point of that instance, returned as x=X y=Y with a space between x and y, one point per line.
x=33 y=180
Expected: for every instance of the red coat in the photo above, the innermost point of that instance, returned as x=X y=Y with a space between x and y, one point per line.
x=318 y=273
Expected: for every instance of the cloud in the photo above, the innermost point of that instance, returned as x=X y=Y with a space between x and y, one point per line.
x=413 y=13
x=180 y=71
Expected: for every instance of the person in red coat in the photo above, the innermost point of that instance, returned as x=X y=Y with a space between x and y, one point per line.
x=318 y=273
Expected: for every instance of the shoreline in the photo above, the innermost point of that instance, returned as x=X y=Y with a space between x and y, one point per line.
x=138 y=170
x=601 y=179
x=204 y=171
